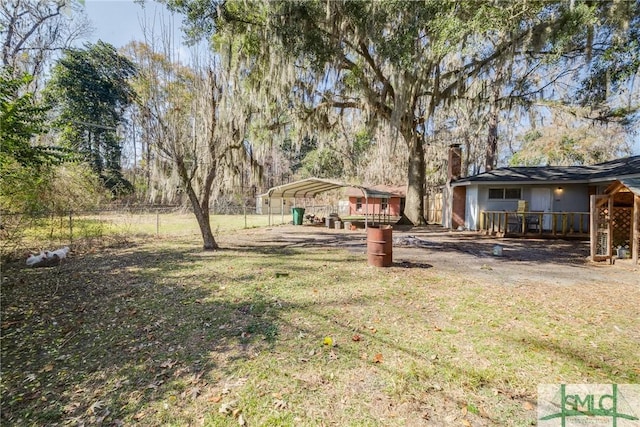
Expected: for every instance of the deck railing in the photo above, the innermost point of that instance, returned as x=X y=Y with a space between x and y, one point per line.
x=553 y=224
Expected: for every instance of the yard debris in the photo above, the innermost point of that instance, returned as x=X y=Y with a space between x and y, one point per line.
x=228 y=408
x=280 y=404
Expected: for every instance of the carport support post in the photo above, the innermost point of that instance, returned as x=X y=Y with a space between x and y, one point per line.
x=282 y=211
x=366 y=211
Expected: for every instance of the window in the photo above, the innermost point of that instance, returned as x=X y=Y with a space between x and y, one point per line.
x=384 y=204
x=512 y=193
x=505 y=193
x=496 y=193
x=359 y=204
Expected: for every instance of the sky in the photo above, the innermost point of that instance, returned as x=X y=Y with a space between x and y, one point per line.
x=120 y=21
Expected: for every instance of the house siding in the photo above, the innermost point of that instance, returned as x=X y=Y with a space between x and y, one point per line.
x=472 y=211
x=572 y=198
x=373 y=207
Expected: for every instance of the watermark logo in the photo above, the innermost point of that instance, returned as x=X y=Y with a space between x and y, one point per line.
x=593 y=405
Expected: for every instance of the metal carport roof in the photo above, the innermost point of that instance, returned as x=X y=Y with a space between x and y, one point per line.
x=310 y=187
x=304 y=188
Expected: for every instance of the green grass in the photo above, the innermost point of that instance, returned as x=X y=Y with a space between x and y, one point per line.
x=160 y=333
x=89 y=231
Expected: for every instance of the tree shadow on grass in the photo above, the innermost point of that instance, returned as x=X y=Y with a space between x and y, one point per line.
x=100 y=337
x=590 y=362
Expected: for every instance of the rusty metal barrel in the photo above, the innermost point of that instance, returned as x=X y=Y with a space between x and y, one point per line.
x=380 y=245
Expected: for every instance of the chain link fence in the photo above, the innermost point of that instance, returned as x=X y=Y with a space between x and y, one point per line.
x=22 y=233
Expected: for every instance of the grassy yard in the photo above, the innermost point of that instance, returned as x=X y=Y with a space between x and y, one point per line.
x=84 y=231
x=157 y=332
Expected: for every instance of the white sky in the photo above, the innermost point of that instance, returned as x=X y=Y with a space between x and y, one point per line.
x=120 y=21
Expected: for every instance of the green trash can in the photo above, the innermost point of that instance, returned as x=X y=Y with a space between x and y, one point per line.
x=298 y=215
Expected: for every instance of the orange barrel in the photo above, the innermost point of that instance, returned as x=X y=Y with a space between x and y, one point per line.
x=380 y=245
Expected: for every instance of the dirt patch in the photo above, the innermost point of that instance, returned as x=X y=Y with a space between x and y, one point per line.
x=521 y=261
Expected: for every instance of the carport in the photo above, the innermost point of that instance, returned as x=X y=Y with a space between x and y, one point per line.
x=309 y=188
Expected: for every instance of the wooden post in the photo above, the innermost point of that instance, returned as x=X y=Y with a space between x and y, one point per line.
x=610 y=230
x=635 y=248
x=493 y=223
x=554 y=223
x=564 y=224
x=70 y=227
x=594 y=224
x=506 y=223
x=581 y=217
x=540 y=222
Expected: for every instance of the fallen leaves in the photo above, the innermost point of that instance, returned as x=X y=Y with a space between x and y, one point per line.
x=280 y=404
x=378 y=358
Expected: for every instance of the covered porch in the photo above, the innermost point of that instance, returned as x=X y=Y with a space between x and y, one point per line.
x=535 y=224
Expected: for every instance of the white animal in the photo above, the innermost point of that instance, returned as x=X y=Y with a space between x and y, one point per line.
x=36 y=259
x=60 y=253
x=48 y=258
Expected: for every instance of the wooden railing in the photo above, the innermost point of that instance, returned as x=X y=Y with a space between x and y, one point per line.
x=560 y=224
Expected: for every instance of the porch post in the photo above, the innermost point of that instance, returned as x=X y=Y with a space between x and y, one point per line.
x=594 y=224
x=635 y=245
x=610 y=230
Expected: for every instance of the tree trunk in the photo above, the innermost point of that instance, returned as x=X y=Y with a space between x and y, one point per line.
x=414 y=204
x=492 y=139
x=202 y=216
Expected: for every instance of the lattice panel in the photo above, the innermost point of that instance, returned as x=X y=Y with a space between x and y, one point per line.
x=622 y=218
x=602 y=235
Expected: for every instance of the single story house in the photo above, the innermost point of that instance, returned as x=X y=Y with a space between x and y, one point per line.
x=548 y=200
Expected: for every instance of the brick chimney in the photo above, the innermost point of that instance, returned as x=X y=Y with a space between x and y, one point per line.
x=454 y=170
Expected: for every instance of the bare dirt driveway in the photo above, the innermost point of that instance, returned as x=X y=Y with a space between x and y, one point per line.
x=523 y=261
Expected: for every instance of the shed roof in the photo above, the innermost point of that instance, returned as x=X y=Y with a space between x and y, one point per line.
x=633 y=184
x=378 y=191
x=628 y=167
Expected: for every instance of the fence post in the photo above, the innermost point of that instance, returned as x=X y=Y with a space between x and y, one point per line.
x=70 y=227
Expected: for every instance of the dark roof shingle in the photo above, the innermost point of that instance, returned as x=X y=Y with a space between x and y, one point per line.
x=614 y=169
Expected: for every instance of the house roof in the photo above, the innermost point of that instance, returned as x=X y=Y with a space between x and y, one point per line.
x=377 y=191
x=620 y=168
x=633 y=184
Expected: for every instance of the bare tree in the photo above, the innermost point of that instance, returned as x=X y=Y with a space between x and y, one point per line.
x=34 y=30
x=195 y=131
